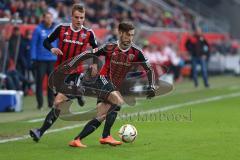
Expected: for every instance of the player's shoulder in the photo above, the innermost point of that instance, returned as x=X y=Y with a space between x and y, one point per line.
x=114 y=43
x=60 y=25
x=135 y=47
x=111 y=45
x=108 y=46
x=88 y=29
x=39 y=27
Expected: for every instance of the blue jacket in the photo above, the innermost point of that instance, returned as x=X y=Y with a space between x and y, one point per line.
x=38 y=52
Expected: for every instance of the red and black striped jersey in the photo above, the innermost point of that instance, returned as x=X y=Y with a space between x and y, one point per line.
x=71 y=42
x=118 y=61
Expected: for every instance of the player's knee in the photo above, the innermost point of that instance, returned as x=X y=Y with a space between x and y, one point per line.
x=120 y=102
x=58 y=101
x=116 y=99
x=60 y=98
x=101 y=118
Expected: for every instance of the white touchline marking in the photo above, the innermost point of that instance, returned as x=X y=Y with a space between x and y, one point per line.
x=166 y=108
x=211 y=99
x=35 y=120
x=188 y=91
x=50 y=131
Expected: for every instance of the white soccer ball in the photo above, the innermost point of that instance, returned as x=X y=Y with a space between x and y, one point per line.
x=127 y=133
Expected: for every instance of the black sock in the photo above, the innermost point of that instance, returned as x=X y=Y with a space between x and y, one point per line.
x=110 y=119
x=90 y=127
x=49 y=120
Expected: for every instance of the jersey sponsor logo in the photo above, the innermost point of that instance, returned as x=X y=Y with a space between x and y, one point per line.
x=121 y=63
x=83 y=36
x=66 y=33
x=131 y=57
x=72 y=41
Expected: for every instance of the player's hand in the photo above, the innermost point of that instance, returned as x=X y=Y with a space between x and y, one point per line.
x=56 y=51
x=150 y=92
x=94 y=70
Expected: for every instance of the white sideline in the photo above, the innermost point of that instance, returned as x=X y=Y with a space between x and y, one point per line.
x=41 y=119
x=211 y=99
x=50 y=131
x=35 y=120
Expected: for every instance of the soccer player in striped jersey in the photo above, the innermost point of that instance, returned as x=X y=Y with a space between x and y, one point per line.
x=73 y=39
x=119 y=56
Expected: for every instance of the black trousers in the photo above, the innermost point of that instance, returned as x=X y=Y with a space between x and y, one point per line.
x=42 y=68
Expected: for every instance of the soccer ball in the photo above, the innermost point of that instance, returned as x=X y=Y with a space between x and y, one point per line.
x=127 y=133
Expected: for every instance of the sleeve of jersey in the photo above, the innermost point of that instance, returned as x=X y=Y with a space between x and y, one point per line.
x=52 y=37
x=148 y=68
x=100 y=51
x=96 y=52
x=92 y=39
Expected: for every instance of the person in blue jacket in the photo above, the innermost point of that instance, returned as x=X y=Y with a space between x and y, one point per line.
x=43 y=60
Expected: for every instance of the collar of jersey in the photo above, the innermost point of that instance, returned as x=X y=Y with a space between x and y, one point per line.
x=123 y=50
x=74 y=29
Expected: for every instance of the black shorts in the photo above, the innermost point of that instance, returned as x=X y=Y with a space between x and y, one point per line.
x=72 y=79
x=101 y=86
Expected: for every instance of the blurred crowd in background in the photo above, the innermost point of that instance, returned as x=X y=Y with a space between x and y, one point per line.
x=100 y=13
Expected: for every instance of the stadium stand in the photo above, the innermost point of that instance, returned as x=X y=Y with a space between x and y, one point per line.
x=141 y=12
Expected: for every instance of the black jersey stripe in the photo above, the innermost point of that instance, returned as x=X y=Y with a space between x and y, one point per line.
x=75 y=47
x=63 y=43
x=69 y=45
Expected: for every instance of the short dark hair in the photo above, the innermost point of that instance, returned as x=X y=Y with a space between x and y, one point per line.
x=125 y=26
x=78 y=7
